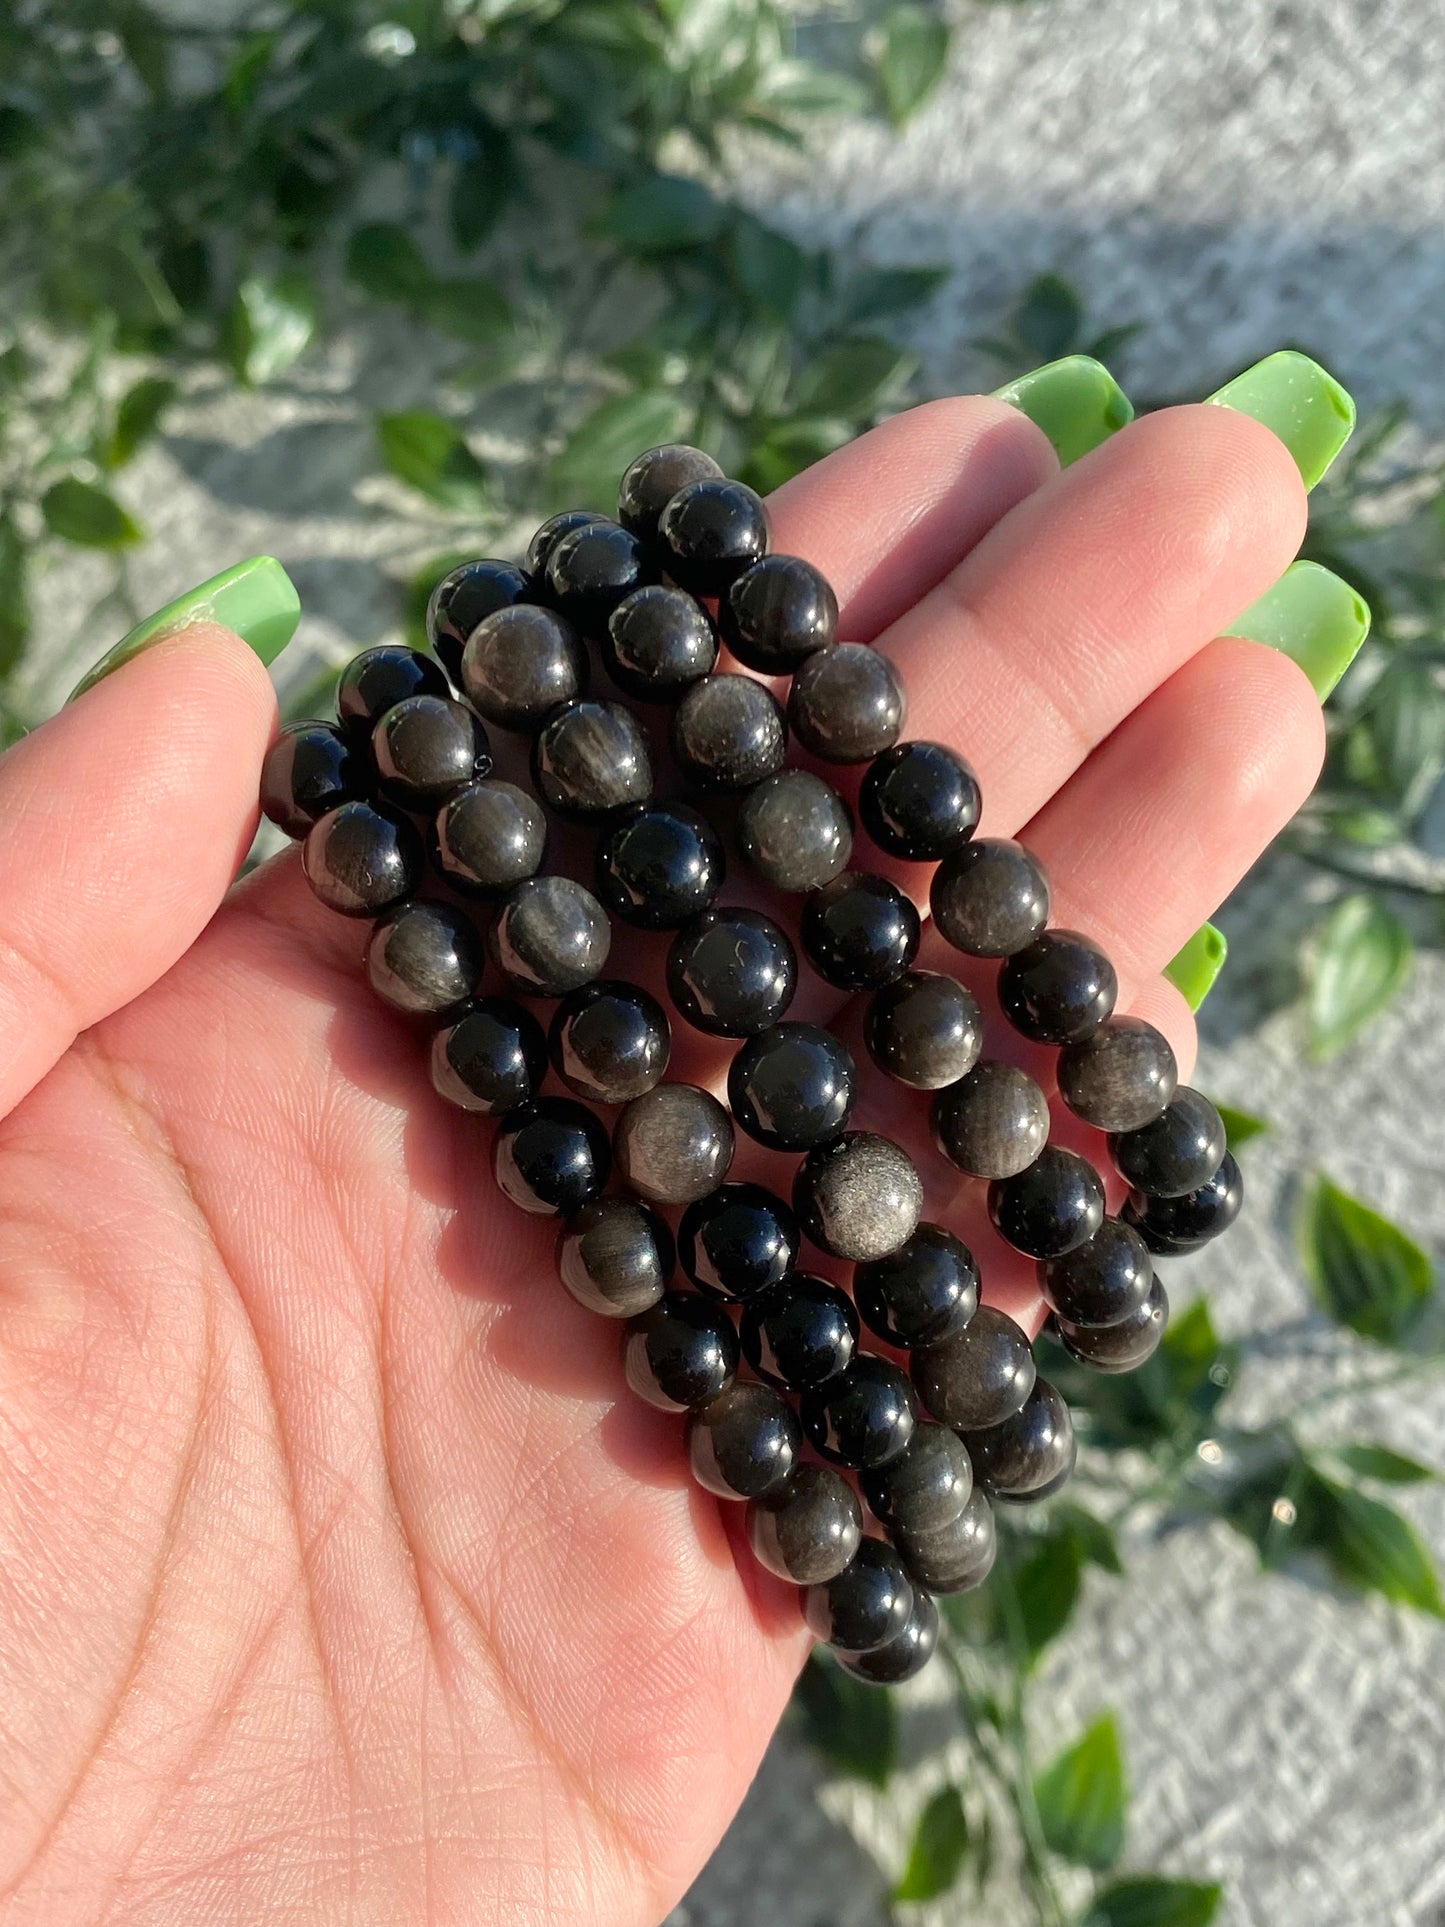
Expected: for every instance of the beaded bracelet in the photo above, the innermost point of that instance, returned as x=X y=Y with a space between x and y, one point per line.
x=398 y=796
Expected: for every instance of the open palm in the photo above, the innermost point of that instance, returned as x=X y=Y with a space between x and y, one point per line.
x=340 y=1580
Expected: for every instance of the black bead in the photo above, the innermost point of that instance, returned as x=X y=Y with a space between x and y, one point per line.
x=1120 y=1077
x=1173 y=1226
x=711 y=531
x=552 y=1156
x=426 y=749
x=847 y=703
x=489 y=837
x=466 y=597
x=520 y=663
x=1031 y=1449
x=990 y=897
x=658 y=643
x=615 y=1257
x=728 y=732
x=593 y=568
x=993 y=1122
x=862 y=1417
x=794 y=831
x=956 y=1557
x=380 y=678
x=799 y=1333
x=660 y=867
x=926 y=1486
x=732 y=973
x=674 y=1143
x=925 y=1029
x=858 y=1196
x=1123 y=1347
x=681 y=1353
x=424 y=958
x=738 y=1241
x=362 y=858
x=922 y=1292
x=919 y=801
x=539 y=549
x=590 y=760
x=808 y=1528
x=860 y=931
x=1178 y=1152
x=609 y=1041
x=744 y=1442
x=654 y=478
x=309 y=769
x=905 y=1655
x=1101 y=1282
x=1051 y=1207
x=490 y=1059
x=792 y=1087
x=1059 y=988
x=777 y=613
x=867 y=1605
x=977 y=1376
x=550 y=936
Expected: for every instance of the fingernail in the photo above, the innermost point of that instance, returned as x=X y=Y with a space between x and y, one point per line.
x=256 y=598
x=1314 y=617
x=1076 y=402
x=1305 y=406
x=1194 y=970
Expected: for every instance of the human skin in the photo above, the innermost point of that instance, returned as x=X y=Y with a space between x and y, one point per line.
x=340 y=1579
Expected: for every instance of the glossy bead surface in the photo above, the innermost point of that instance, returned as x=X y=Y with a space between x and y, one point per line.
x=681 y=1353
x=1123 y=1347
x=777 y=613
x=466 y=597
x=489 y=837
x=794 y=831
x=919 y=801
x=858 y=1196
x=990 y=898
x=926 y=1486
x=550 y=936
x=615 y=1257
x=1102 y=1281
x=1027 y=1451
x=792 y=1087
x=491 y=1059
x=924 y=1029
x=591 y=759
x=551 y=1156
x=309 y=769
x=728 y=732
x=710 y=531
x=866 y=1605
x=1120 y=1077
x=800 y=1333
x=610 y=1041
x=979 y=1375
x=905 y=1655
x=860 y=931
x=424 y=958
x=660 y=866
x=539 y=549
x=1173 y=1226
x=659 y=642
x=920 y=1293
x=427 y=748
x=808 y=1528
x=592 y=568
x=955 y=1557
x=654 y=478
x=738 y=1241
x=378 y=679
x=863 y=1416
x=362 y=858
x=732 y=973
x=744 y=1442
x=1178 y=1152
x=1051 y=1207
x=847 y=704
x=1058 y=988
x=992 y=1123
x=520 y=663
x=674 y=1144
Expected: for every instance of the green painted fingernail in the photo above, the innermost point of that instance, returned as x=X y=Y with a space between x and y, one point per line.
x=1194 y=970
x=1076 y=402
x=256 y=598
x=1314 y=617
x=1305 y=406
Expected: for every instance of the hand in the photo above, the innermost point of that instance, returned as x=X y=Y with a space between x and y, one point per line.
x=341 y=1580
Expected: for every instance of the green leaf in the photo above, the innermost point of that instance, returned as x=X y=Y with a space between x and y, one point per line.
x=589 y=464
x=271 y=325
x=1398 y=746
x=1361 y=956
x=877 y=292
x=769 y=268
x=1382 y=1462
x=1095 y=1539
x=1366 y=1272
x=1049 y=317
x=1081 y=1799
x=1112 y=342
x=145 y=40
x=431 y=454
x=1240 y=1126
x=786 y=448
x=384 y=262
x=799 y=87
x=1372 y=1547
x=939 y=1847
x=853 y=1726
x=14 y=598
x=662 y=214
x=1148 y=1900
x=908 y=59
x=247 y=70
x=474 y=310
x=481 y=189
x=80 y=512
x=137 y=417
x=854 y=379
x=1047 y=1585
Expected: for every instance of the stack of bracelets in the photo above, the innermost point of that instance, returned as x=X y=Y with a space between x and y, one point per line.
x=400 y=793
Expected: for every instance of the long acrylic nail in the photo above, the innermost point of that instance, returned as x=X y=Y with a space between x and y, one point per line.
x=255 y=598
x=1197 y=965
x=1305 y=406
x=1076 y=402
x=1314 y=617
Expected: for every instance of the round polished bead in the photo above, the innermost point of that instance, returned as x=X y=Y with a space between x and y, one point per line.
x=732 y=973
x=809 y=1528
x=380 y=678
x=681 y=1353
x=778 y=613
x=551 y=1156
x=309 y=769
x=926 y=1486
x=1027 y=1451
x=592 y=568
x=925 y=1029
x=792 y=1087
x=1120 y=1077
x=863 y=1416
x=615 y=1257
x=868 y=1604
x=674 y=1144
x=654 y=478
x=738 y=1241
x=955 y=1557
x=1058 y=988
x=729 y=732
x=610 y=1041
x=489 y=837
x=847 y=703
x=424 y=958
x=858 y=1196
x=990 y=898
x=550 y=936
x=710 y=531
x=905 y=1655
x=919 y=801
x=744 y=1442
x=491 y=1059
x=1051 y=1207
x=920 y=1293
x=979 y=1375
x=860 y=931
x=520 y=663
x=1178 y=1152
x=660 y=866
x=362 y=858
x=1173 y=1226
x=539 y=549
x=467 y=596
x=799 y=1333
x=993 y=1122
x=1101 y=1282
x=426 y=749
x=1122 y=1347
x=591 y=759
x=795 y=831
x=659 y=642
